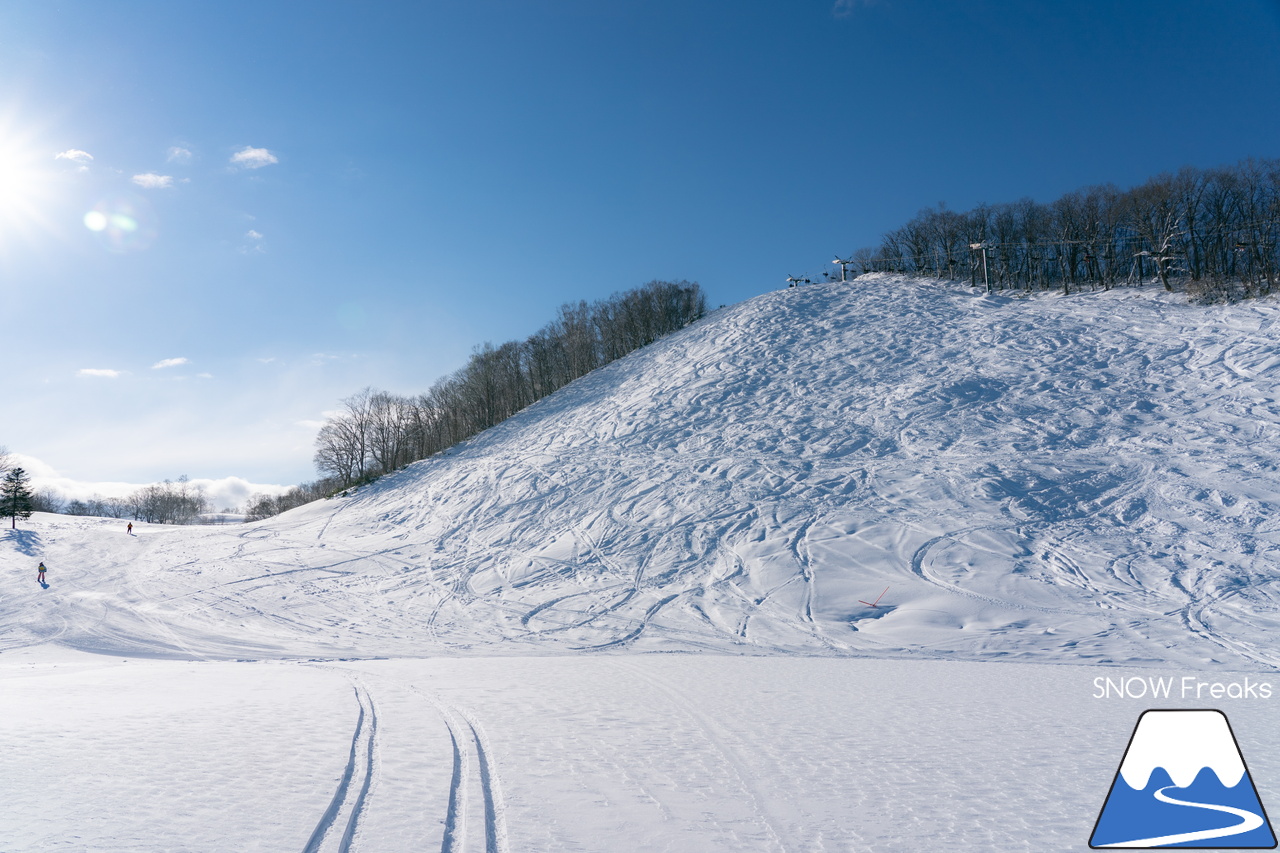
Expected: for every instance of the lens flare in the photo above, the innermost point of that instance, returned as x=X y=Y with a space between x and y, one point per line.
x=126 y=224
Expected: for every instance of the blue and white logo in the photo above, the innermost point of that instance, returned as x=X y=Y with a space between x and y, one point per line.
x=1183 y=783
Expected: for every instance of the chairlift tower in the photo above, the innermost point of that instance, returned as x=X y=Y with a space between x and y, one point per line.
x=843 y=266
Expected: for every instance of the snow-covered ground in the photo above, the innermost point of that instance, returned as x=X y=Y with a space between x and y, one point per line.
x=632 y=618
x=618 y=752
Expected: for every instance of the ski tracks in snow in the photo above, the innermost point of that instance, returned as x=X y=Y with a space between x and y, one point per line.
x=1194 y=617
x=470 y=790
x=348 y=799
x=474 y=813
x=468 y=786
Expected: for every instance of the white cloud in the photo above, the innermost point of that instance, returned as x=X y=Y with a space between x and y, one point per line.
x=46 y=477
x=169 y=362
x=179 y=155
x=204 y=376
x=75 y=155
x=102 y=373
x=151 y=181
x=223 y=492
x=255 y=246
x=253 y=158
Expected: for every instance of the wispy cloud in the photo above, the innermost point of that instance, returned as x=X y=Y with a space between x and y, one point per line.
x=169 y=362
x=99 y=372
x=75 y=155
x=178 y=155
x=151 y=181
x=253 y=158
x=845 y=8
x=255 y=245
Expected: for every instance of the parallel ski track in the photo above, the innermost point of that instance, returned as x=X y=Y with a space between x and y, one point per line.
x=316 y=843
x=469 y=746
x=468 y=739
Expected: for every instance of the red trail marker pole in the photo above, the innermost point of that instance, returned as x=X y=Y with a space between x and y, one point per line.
x=875 y=603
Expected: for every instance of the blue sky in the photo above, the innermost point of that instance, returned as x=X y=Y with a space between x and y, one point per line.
x=219 y=219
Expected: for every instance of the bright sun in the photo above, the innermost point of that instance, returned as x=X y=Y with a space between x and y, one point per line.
x=29 y=177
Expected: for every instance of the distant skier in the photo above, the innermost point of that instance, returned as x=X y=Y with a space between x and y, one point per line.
x=40 y=572
x=130 y=529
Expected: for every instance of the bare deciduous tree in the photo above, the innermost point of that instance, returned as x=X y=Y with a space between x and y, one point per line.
x=377 y=432
x=1218 y=230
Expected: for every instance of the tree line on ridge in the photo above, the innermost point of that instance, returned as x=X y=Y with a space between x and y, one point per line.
x=377 y=432
x=1217 y=230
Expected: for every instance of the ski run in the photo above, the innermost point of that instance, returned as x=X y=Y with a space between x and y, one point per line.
x=649 y=613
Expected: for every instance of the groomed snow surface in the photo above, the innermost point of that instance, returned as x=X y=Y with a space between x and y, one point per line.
x=632 y=618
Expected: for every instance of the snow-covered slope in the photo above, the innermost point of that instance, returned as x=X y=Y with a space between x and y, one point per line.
x=1091 y=478
x=1087 y=480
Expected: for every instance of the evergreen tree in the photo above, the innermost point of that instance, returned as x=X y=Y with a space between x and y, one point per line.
x=15 y=497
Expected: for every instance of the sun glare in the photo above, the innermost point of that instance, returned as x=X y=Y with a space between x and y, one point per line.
x=28 y=187
x=22 y=187
x=42 y=188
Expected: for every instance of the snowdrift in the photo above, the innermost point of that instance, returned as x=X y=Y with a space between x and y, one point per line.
x=1086 y=479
